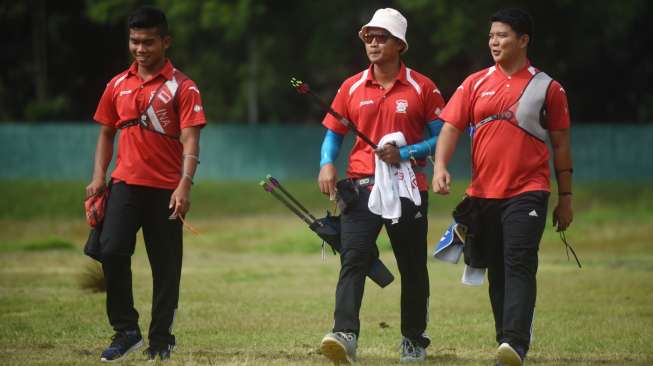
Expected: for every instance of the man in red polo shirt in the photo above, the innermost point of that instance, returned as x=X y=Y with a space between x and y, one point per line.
x=510 y=107
x=386 y=97
x=159 y=113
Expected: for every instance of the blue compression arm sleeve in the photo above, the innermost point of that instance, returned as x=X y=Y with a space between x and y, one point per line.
x=424 y=148
x=330 y=147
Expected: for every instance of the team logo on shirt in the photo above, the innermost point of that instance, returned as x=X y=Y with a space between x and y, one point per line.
x=197 y=108
x=402 y=105
x=366 y=102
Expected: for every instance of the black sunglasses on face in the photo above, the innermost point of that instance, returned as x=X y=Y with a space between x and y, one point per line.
x=381 y=38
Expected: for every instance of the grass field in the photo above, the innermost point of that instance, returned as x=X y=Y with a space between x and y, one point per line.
x=255 y=290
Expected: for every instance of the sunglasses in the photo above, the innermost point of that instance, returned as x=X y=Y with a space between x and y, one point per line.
x=381 y=38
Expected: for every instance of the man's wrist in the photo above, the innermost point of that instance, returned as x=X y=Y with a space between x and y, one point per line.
x=565 y=199
x=186 y=181
x=100 y=177
x=325 y=162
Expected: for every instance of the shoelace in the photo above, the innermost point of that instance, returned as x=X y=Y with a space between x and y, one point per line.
x=119 y=340
x=568 y=247
x=408 y=346
x=348 y=336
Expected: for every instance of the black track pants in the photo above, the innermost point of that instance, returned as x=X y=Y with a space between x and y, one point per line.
x=511 y=230
x=130 y=208
x=360 y=229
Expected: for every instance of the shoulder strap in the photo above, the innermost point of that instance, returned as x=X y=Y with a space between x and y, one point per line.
x=142 y=121
x=526 y=111
x=148 y=119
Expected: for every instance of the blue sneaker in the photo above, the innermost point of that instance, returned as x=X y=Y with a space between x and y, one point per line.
x=121 y=344
x=508 y=355
x=163 y=352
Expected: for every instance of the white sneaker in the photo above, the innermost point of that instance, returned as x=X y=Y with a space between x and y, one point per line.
x=339 y=347
x=411 y=352
x=508 y=356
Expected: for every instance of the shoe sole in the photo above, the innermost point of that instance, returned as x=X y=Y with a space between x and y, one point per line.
x=334 y=351
x=122 y=357
x=507 y=356
x=411 y=360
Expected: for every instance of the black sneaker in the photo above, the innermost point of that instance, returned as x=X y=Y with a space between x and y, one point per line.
x=163 y=352
x=122 y=343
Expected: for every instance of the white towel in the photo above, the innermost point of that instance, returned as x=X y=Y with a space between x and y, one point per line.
x=392 y=182
x=473 y=276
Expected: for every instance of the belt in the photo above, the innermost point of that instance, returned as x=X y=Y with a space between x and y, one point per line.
x=369 y=181
x=364 y=182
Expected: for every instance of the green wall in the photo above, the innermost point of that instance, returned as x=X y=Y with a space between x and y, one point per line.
x=65 y=151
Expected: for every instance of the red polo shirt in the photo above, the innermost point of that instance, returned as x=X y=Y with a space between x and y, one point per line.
x=145 y=157
x=408 y=106
x=506 y=161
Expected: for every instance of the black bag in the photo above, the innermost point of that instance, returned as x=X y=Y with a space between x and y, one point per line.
x=347 y=194
x=93 y=248
x=328 y=227
x=466 y=215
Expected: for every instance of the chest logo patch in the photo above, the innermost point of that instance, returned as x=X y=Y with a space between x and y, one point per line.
x=125 y=92
x=366 y=102
x=487 y=93
x=402 y=105
x=164 y=96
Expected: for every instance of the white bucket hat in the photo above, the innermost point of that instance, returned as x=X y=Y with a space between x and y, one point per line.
x=390 y=20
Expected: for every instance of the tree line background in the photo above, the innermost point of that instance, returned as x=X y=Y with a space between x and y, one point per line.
x=57 y=56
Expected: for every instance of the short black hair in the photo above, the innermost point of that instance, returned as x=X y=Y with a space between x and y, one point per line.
x=148 y=17
x=518 y=19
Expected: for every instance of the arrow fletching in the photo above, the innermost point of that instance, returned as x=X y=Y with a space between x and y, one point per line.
x=266 y=186
x=273 y=180
x=300 y=86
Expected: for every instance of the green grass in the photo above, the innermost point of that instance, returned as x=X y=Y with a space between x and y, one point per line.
x=37 y=245
x=255 y=290
x=42 y=199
